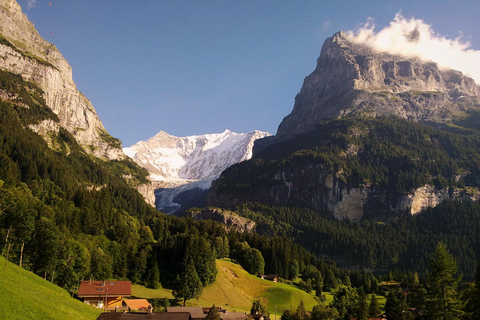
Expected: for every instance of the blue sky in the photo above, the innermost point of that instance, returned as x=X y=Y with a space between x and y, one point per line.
x=195 y=67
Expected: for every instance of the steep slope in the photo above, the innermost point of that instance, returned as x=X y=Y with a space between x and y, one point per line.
x=235 y=289
x=356 y=142
x=353 y=80
x=26 y=296
x=188 y=165
x=26 y=53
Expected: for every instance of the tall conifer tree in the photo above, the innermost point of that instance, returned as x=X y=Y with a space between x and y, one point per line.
x=442 y=298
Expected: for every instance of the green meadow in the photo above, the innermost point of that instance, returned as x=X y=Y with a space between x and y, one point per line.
x=25 y=296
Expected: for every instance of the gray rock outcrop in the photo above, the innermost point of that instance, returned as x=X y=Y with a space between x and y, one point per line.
x=228 y=218
x=314 y=186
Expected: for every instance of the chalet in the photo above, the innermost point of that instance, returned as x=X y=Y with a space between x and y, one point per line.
x=107 y=295
x=258 y=316
x=196 y=313
x=137 y=305
x=144 y=316
x=207 y=309
x=232 y=315
x=271 y=277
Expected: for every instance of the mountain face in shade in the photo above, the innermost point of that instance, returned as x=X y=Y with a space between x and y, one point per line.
x=370 y=135
x=352 y=80
x=187 y=165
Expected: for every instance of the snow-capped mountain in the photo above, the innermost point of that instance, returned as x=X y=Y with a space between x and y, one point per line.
x=194 y=160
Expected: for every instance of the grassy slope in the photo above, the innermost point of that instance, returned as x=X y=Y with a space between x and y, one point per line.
x=235 y=289
x=24 y=296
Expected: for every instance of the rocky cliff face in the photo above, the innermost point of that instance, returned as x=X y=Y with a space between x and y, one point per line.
x=313 y=185
x=23 y=51
x=228 y=218
x=351 y=80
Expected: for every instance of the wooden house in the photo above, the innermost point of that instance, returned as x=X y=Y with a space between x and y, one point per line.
x=196 y=313
x=144 y=316
x=106 y=295
x=232 y=315
x=270 y=277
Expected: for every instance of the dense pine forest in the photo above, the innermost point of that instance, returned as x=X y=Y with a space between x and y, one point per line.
x=404 y=243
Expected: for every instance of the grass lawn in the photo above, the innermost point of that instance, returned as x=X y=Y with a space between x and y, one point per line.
x=139 y=291
x=24 y=296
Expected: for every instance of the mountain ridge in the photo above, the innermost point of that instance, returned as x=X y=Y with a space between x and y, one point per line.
x=178 y=165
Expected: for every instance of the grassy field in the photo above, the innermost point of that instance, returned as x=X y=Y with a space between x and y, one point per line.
x=24 y=296
x=235 y=289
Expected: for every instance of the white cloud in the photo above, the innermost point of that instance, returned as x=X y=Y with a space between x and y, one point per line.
x=415 y=38
x=326 y=25
x=31 y=4
x=321 y=31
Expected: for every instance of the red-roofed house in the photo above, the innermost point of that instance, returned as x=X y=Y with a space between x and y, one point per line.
x=104 y=294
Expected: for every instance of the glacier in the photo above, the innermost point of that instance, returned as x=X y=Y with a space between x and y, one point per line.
x=184 y=167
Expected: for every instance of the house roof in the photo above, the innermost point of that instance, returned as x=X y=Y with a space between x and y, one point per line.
x=144 y=316
x=137 y=304
x=102 y=288
x=233 y=316
x=195 y=312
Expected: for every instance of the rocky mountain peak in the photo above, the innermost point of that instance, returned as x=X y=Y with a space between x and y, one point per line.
x=353 y=79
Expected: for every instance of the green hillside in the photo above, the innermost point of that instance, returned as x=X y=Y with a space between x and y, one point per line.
x=235 y=289
x=23 y=296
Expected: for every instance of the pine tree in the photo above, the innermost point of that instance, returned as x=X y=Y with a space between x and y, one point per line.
x=362 y=312
x=188 y=285
x=442 y=299
x=471 y=296
x=154 y=277
x=374 y=307
x=301 y=313
x=293 y=269
x=212 y=314
x=393 y=309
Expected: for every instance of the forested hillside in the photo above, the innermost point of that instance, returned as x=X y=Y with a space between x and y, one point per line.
x=384 y=160
x=67 y=216
x=404 y=243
